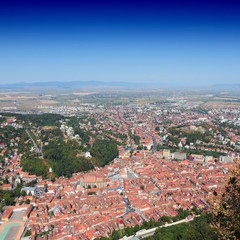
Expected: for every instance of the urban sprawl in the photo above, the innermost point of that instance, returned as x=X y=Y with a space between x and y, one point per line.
x=171 y=156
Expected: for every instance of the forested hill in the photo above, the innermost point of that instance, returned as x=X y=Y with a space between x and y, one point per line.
x=61 y=141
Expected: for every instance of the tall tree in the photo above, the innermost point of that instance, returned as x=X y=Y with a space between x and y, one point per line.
x=226 y=208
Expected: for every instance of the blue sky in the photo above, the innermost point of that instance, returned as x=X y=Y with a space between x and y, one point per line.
x=188 y=43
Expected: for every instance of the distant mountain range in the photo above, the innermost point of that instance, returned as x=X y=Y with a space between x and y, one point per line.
x=71 y=84
x=102 y=84
x=236 y=85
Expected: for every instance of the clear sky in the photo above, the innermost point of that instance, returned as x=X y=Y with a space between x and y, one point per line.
x=178 y=42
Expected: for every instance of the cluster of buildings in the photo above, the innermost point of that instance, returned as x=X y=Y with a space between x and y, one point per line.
x=124 y=194
x=152 y=177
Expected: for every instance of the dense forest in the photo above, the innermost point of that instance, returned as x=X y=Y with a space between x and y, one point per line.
x=34 y=165
x=103 y=152
x=63 y=158
x=46 y=119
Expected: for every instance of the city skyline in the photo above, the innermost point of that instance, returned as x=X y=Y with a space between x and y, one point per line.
x=175 y=44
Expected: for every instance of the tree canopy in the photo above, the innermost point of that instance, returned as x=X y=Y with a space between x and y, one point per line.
x=226 y=208
x=104 y=151
x=63 y=158
x=197 y=229
x=34 y=165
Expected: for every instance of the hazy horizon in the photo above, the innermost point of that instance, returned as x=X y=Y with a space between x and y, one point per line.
x=99 y=84
x=191 y=44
